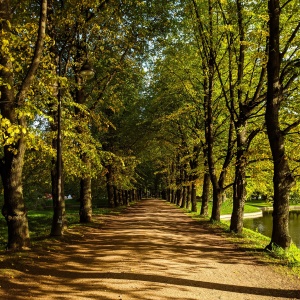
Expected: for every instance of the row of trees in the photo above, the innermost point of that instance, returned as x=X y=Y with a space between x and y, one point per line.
x=186 y=96
x=226 y=94
x=66 y=121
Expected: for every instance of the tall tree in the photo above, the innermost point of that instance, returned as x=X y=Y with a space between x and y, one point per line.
x=283 y=178
x=209 y=41
x=242 y=86
x=13 y=100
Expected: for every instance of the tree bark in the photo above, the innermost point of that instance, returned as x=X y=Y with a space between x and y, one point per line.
x=205 y=195
x=283 y=179
x=59 y=222
x=14 y=209
x=194 y=164
x=85 y=211
x=116 y=198
x=194 y=195
x=239 y=187
x=184 y=194
x=188 y=196
x=179 y=196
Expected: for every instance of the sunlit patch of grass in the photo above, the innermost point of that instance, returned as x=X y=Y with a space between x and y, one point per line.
x=259 y=203
x=40 y=222
x=254 y=243
x=290 y=257
x=226 y=208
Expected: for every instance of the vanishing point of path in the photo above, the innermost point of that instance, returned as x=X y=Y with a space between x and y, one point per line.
x=152 y=251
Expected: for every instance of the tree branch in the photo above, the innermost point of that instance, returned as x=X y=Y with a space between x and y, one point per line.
x=284 y=4
x=290 y=127
x=287 y=45
x=252 y=135
x=36 y=57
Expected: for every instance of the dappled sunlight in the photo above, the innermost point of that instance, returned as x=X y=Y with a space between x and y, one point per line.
x=152 y=251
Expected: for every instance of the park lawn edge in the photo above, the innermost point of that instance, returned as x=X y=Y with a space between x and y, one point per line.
x=254 y=243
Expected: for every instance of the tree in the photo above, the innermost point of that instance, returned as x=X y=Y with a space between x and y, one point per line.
x=219 y=154
x=242 y=76
x=283 y=178
x=14 y=97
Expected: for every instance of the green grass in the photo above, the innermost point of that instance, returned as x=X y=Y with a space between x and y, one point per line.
x=289 y=259
x=226 y=208
x=40 y=221
x=254 y=242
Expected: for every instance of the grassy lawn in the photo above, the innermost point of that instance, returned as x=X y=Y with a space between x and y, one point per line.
x=40 y=222
x=226 y=208
x=252 y=241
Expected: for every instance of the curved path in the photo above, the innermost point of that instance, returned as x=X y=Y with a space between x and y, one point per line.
x=151 y=251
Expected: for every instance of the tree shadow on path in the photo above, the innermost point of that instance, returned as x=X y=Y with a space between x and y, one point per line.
x=151 y=251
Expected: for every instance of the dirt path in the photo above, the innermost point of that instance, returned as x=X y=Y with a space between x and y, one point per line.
x=152 y=251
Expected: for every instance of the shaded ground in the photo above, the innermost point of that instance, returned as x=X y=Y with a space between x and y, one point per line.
x=152 y=251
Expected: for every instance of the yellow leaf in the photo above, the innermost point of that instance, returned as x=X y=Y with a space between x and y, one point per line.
x=5 y=42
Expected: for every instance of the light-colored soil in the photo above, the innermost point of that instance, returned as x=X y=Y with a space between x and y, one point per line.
x=151 y=251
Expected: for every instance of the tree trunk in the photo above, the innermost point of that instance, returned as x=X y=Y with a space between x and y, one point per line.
x=194 y=195
x=183 y=203
x=168 y=194
x=116 y=198
x=85 y=211
x=59 y=211
x=120 y=197
x=205 y=195
x=14 y=209
x=59 y=220
x=188 y=196
x=217 y=202
x=173 y=198
x=282 y=179
x=126 y=198
x=239 y=187
x=179 y=196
